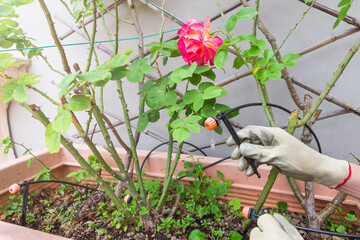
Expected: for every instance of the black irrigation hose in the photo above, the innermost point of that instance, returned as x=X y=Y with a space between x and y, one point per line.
x=327 y=232
x=26 y=184
x=161 y=144
x=279 y=107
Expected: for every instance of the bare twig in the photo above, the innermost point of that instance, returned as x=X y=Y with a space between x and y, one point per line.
x=329 y=97
x=166 y=13
x=176 y=204
x=71 y=31
x=331 y=207
x=117 y=136
x=328 y=41
x=348 y=19
x=81 y=33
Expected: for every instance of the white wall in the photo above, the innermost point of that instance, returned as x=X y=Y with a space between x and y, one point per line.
x=338 y=136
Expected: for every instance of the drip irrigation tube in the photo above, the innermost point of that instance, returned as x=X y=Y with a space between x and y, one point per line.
x=26 y=184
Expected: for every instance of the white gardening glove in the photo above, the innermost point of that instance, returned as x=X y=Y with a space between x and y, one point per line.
x=276 y=147
x=274 y=227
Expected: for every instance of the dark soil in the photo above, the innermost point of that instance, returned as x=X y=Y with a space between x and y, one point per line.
x=56 y=213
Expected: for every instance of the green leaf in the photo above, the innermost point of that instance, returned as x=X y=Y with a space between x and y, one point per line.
x=78 y=103
x=275 y=67
x=97 y=77
x=273 y=75
x=195 y=79
x=184 y=72
x=209 y=74
x=178 y=75
x=28 y=78
x=52 y=139
x=143 y=211
x=219 y=174
x=6 y=43
x=341 y=229
x=289 y=58
x=203 y=86
x=343 y=3
x=192 y=119
x=221 y=57
x=197 y=235
x=62 y=121
x=145 y=68
x=134 y=76
x=181 y=134
x=238 y=62
x=235 y=203
x=198 y=102
x=253 y=51
x=214 y=208
x=20 y=94
x=5 y=11
x=268 y=53
x=118 y=60
x=282 y=206
x=165 y=60
x=246 y=13
x=214 y=92
x=65 y=83
x=154 y=115
x=341 y=15
x=189 y=96
x=202 y=68
x=10 y=23
x=350 y=217
x=262 y=61
x=171 y=98
x=231 y=23
x=5 y=55
x=208 y=111
x=155 y=100
x=142 y=122
x=261 y=44
x=193 y=127
x=8 y=90
x=30 y=161
x=222 y=189
x=177 y=123
x=234 y=235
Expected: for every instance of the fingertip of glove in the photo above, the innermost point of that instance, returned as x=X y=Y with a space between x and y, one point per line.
x=249 y=172
x=230 y=142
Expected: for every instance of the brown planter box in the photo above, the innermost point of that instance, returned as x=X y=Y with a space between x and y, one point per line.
x=245 y=188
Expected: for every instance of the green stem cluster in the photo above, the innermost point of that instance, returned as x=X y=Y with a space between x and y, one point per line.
x=39 y=115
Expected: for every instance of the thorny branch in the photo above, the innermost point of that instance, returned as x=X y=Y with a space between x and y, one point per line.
x=55 y=37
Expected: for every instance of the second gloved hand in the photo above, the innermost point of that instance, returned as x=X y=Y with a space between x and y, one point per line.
x=274 y=146
x=274 y=227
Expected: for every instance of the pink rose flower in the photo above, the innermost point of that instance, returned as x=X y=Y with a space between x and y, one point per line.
x=195 y=43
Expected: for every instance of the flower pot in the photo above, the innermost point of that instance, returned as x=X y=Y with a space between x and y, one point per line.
x=247 y=189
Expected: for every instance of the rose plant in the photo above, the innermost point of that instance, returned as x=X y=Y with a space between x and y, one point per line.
x=187 y=110
x=187 y=93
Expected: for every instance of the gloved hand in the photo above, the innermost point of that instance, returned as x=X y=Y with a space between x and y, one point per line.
x=274 y=227
x=291 y=157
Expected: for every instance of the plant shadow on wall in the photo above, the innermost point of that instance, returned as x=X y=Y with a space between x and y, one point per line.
x=187 y=94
